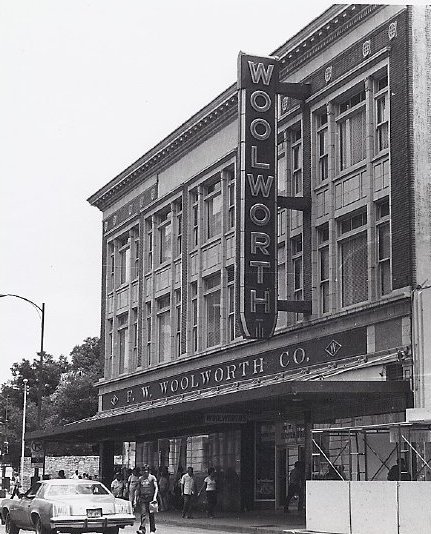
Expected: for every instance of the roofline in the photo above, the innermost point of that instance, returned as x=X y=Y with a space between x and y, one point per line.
x=220 y=108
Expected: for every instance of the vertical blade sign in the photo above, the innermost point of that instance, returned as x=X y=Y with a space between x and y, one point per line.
x=257 y=195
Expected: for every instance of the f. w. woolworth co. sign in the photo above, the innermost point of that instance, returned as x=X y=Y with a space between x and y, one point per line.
x=296 y=356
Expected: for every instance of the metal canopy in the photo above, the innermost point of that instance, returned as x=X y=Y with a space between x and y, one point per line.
x=260 y=395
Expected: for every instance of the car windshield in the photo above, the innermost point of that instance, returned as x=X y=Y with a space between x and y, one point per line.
x=86 y=488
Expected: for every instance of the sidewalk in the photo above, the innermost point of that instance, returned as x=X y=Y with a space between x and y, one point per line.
x=255 y=522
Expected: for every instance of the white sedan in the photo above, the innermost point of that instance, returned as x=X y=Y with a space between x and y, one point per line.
x=67 y=505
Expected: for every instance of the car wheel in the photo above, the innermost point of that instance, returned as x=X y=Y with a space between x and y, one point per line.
x=111 y=530
x=40 y=529
x=10 y=528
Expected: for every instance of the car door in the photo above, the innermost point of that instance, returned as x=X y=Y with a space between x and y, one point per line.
x=23 y=511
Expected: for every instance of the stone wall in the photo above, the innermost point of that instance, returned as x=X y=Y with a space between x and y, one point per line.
x=53 y=464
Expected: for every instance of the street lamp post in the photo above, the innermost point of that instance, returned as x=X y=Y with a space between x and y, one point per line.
x=24 y=413
x=41 y=353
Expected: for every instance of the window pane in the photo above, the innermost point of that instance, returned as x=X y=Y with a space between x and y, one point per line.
x=324 y=263
x=165 y=243
x=214 y=216
x=357 y=138
x=354 y=270
x=164 y=327
x=213 y=318
x=384 y=241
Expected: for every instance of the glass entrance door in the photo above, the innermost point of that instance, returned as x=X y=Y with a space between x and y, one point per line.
x=286 y=456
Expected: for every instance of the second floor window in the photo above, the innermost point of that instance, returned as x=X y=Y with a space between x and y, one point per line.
x=164 y=328
x=353 y=259
x=123 y=349
x=323 y=241
x=212 y=309
x=384 y=284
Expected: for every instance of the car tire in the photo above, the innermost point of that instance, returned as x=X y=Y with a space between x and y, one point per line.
x=40 y=529
x=111 y=530
x=10 y=526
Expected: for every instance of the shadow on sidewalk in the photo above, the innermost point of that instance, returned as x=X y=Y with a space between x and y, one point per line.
x=261 y=521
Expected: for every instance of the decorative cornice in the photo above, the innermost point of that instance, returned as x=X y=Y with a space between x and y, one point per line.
x=319 y=34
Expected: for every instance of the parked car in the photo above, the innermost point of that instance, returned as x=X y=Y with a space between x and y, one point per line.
x=67 y=505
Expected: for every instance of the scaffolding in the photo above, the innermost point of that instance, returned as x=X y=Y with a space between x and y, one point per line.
x=391 y=451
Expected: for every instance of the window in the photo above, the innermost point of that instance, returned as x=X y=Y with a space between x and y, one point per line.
x=296 y=159
x=231 y=302
x=212 y=309
x=149 y=237
x=352 y=130
x=322 y=145
x=195 y=218
x=323 y=240
x=136 y=253
x=213 y=204
x=281 y=283
x=124 y=258
x=179 y=228
x=135 y=336
x=194 y=311
x=296 y=250
x=281 y=221
x=178 y=322
x=164 y=327
x=382 y=114
x=123 y=330
x=354 y=259
x=111 y=266
x=149 y=332
x=383 y=248
x=110 y=338
x=231 y=200
x=165 y=236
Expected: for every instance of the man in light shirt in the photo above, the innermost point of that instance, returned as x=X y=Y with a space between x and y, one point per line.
x=187 y=491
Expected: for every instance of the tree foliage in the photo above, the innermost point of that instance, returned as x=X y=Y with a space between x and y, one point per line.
x=68 y=393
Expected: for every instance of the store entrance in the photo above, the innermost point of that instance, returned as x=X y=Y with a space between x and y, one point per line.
x=286 y=456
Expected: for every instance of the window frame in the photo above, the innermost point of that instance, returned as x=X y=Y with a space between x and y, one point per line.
x=381 y=94
x=345 y=158
x=209 y=293
x=383 y=221
x=354 y=231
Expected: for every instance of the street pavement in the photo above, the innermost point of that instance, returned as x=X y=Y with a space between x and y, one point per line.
x=161 y=529
x=249 y=523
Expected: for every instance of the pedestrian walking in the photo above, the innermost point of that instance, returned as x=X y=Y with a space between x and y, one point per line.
x=296 y=486
x=164 y=489
x=132 y=484
x=210 y=488
x=117 y=486
x=17 y=485
x=187 y=492
x=146 y=495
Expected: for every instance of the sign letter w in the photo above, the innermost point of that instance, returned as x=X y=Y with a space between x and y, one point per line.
x=258 y=71
x=259 y=185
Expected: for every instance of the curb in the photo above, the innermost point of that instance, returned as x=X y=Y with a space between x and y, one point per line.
x=228 y=527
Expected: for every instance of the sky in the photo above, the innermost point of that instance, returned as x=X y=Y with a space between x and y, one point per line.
x=87 y=88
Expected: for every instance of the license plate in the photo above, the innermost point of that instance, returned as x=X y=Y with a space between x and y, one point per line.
x=95 y=512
